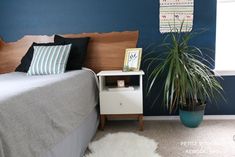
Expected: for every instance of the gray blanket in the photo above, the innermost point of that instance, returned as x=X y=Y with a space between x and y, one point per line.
x=36 y=118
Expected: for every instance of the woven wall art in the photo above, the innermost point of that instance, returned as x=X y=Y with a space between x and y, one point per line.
x=173 y=13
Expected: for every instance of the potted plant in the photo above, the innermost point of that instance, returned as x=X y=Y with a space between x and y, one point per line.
x=188 y=80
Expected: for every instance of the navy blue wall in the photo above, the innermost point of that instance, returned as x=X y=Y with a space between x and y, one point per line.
x=18 y=18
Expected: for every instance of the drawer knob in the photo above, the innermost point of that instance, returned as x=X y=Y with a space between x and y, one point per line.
x=120 y=104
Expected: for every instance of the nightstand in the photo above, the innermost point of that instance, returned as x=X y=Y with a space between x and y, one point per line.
x=124 y=102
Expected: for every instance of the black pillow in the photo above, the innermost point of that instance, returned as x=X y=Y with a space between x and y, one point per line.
x=78 y=51
x=26 y=60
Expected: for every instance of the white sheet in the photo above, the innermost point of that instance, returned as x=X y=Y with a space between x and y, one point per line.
x=12 y=84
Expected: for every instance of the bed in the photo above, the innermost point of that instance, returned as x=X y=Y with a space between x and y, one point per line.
x=25 y=100
x=54 y=115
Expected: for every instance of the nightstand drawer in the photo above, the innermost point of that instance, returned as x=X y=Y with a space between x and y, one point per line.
x=128 y=102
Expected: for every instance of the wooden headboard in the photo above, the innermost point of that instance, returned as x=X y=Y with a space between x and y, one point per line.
x=105 y=50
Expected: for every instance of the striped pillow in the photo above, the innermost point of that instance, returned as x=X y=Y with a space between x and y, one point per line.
x=49 y=59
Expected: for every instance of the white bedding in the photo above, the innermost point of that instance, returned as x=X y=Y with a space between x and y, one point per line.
x=12 y=84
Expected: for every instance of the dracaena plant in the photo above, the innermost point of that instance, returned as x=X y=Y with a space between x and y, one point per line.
x=187 y=77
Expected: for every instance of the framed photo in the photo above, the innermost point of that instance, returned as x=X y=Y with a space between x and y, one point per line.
x=132 y=59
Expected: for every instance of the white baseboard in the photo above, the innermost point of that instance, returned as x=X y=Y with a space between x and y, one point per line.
x=161 y=118
x=206 y=117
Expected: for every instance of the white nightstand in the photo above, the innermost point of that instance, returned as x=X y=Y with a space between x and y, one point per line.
x=124 y=102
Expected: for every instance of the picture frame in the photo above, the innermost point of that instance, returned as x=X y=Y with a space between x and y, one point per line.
x=132 y=59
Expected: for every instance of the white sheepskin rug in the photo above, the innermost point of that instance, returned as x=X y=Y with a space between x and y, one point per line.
x=123 y=145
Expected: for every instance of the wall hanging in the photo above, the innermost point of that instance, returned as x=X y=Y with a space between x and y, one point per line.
x=173 y=13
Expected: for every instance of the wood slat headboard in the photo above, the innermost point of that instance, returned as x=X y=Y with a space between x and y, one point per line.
x=105 y=50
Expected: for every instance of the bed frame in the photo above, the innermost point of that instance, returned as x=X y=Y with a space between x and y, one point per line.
x=105 y=50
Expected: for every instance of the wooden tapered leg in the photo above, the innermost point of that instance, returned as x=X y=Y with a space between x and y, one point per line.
x=102 y=122
x=141 y=123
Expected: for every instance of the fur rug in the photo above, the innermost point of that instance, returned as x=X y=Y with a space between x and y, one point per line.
x=123 y=145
